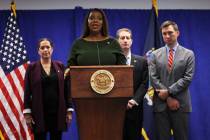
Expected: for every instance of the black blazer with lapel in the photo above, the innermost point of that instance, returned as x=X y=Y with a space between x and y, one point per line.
x=134 y=116
x=140 y=77
x=33 y=95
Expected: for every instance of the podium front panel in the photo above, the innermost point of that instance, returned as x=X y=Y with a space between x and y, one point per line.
x=80 y=81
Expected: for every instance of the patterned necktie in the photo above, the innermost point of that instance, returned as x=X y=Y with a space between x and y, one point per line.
x=170 y=59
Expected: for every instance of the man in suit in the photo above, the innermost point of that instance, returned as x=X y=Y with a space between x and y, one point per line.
x=171 y=72
x=134 y=112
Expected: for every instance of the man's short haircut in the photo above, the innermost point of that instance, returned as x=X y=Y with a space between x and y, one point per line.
x=168 y=23
x=123 y=29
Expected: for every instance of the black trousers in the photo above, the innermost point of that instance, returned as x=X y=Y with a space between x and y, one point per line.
x=51 y=127
x=175 y=120
x=133 y=124
x=56 y=135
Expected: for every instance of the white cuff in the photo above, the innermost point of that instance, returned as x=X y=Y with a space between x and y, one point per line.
x=70 y=109
x=26 y=111
x=135 y=102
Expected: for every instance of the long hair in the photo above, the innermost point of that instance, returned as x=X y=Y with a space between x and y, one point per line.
x=104 y=30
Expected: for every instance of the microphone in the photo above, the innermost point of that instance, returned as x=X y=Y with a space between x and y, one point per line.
x=98 y=53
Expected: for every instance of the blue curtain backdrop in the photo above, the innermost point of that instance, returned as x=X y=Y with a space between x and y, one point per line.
x=64 y=26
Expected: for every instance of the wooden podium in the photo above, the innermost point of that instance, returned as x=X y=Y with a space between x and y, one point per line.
x=101 y=117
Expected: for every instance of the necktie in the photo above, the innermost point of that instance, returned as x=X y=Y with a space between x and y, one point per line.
x=170 y=59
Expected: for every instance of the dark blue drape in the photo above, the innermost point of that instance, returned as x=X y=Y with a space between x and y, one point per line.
x=64 y=26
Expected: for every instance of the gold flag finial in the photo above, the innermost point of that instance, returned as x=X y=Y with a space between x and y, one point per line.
x=13 y=8
x=155 y=5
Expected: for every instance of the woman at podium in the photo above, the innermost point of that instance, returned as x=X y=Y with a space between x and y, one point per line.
x=96 y=47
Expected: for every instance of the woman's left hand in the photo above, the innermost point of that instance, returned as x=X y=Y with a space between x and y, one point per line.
x=68 y=117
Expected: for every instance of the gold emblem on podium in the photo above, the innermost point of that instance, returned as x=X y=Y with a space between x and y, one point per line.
x=102 y=81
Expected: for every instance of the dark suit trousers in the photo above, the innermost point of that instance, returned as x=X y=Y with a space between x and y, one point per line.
x=167 y=120
x=51 y=127
x=56 y=135
x=133 y=124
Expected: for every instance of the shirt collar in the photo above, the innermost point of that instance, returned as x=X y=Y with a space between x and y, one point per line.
x=174 y=48
x=129 y=55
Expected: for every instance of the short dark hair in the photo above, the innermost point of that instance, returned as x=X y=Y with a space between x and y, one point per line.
x=44 y=39
x=123 y=29
x=168 y=23
x=104 y=30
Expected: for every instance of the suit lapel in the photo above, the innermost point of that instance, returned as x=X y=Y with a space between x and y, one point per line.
x=165 y=57
x=133 y=60
x=60 y=75
x=176 y=57
x=58 y=71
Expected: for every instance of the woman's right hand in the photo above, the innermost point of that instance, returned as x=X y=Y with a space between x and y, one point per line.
x=29 y=119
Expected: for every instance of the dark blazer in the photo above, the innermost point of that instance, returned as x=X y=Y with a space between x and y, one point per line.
x=134 y=116
x=140 y=84
x=140 y=77
x=33 y=95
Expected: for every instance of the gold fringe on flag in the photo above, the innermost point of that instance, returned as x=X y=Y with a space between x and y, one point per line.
x=1 y=136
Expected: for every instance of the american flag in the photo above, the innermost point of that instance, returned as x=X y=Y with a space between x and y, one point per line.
x=13 y=63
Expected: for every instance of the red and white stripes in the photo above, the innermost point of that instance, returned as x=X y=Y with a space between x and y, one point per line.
x=12 y=122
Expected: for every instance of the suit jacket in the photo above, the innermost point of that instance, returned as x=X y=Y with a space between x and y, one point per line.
x=177 y=81
x=33 y=95
x=140 y=84
x=140 y=77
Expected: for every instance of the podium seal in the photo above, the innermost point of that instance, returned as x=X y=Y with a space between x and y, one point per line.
x=102 y=81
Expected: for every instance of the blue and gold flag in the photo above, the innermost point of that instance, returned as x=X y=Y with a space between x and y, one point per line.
x=153 y=41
